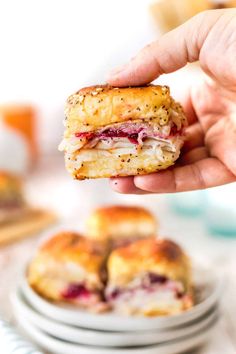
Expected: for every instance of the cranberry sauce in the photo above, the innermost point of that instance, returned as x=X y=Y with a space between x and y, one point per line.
x=111 y=133
x=114 y=294
x=74 y=291
x=157 y=278
x=87 y=135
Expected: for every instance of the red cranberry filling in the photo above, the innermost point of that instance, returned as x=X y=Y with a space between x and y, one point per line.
x=156 y=278
x=110 y=133
x=179 y=294
x=87 y=135
x=113 y=295
x=152 y=279
x=75 y=290
x=131 y=132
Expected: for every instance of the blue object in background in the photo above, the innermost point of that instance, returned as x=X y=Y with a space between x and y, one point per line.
x=220 y=214
x=187 y=203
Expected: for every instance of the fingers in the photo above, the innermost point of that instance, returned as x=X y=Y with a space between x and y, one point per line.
x=171 y=52
x=221 y=139
x=125 y=185
x=194 y=137
x=186 y=102
x=194 y=155
x=202 y=174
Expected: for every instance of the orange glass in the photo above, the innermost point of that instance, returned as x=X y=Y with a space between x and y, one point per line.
x=22 y=118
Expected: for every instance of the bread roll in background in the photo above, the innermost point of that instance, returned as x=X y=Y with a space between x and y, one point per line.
x=69 y=268
x=114 y=131
x=119 y=225
x=149 y=277
x=169 y=14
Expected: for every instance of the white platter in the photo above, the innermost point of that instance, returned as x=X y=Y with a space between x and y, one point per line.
x=209 y=283
x=57 y=346
x=101 y=338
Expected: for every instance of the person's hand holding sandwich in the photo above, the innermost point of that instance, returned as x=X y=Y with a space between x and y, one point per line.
x=209 y=155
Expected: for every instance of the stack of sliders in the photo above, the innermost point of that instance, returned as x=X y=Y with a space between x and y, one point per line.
x=17 y=218
x=114 y=131
x=126 y=269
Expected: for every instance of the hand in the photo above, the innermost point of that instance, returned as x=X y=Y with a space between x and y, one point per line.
x=209 y=155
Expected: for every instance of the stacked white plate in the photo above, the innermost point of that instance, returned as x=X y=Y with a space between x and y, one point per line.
x=64 y=329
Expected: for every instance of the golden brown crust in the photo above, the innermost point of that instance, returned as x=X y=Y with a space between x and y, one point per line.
x=67 y=258
x=163 y=257
x=119 y=222
x=72 y=247
x=157 y=250
x=120 y=213
x=93 y=107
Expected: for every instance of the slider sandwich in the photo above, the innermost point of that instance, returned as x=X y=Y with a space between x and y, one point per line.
x=12 y=204
x=69 y=268
x=114 y=131
x=150 y=277
x=119 y=225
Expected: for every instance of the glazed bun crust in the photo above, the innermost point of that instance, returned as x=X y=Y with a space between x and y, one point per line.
x=119 y=222
x=163 y=257
x=96 y=106
x=67 y=258
x=72 y=247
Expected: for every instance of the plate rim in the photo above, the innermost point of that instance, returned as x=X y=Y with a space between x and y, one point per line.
x=129 y=323
x=193 y=341
x=21 y=306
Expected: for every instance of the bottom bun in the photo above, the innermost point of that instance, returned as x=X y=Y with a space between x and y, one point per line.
x=95 y=163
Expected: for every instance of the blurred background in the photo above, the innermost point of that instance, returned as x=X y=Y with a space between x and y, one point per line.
x=49 y=49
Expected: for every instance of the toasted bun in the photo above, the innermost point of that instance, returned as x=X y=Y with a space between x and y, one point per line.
x=74 y=248
x=98 y=106
x=120 y=222
x=163 y=257
x=67 y=258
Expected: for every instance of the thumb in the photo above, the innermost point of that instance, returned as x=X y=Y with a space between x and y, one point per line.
x=169 y=53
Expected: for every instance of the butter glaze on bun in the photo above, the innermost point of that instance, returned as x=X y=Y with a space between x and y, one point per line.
x=68 y=267
x=114 y=131
x=97 y=106
x=119 y=224
x=149 y=277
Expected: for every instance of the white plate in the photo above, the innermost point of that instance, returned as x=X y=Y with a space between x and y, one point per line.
x=102 y=338
x=62 y=347
x=205 y=279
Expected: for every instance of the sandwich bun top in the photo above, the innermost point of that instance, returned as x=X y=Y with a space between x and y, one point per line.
x=95 y=107
x=73 y=248
x=120 y=221
x=159 y=256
